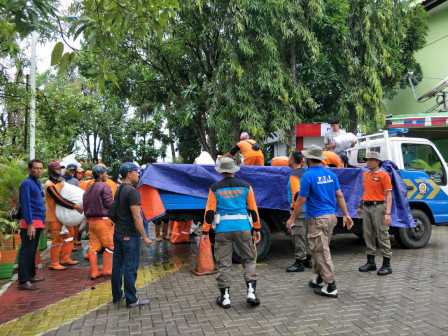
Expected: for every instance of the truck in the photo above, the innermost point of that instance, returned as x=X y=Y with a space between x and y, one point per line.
x=183 y=190
x=424 y=172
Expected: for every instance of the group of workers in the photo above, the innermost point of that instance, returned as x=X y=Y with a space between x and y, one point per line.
x=314 y=194
x=231 y=211
x=119 y=240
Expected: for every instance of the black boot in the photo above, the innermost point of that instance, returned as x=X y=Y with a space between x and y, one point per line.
x=316 y=281
x=328 y=290
x=385 y=268
x=224 y=299
x=370 y=264
x=251 y=293
x=308 y=263
x=296 y=267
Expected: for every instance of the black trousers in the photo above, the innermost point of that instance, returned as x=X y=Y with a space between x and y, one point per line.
x=27 y=255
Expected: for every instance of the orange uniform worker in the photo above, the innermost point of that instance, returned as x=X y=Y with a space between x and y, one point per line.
x=97 y=200
x=109 y=182
x=249 y=149
x=332 y=160
x=59 y=243
x=376 y=204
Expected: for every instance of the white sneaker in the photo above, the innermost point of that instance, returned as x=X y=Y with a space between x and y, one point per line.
x=328 y=290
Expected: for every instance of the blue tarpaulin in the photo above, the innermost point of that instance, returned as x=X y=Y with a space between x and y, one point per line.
x=269 y=185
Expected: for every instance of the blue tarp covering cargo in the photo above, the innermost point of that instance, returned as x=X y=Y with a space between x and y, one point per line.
x=186 y=186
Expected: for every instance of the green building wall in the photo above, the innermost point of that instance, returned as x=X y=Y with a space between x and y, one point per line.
x=434 y=61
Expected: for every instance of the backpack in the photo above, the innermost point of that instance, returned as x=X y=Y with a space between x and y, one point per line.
x=113 y=209
x=255 y=146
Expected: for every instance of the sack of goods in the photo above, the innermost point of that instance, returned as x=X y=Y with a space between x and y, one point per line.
x=204 y=159
x=67 y=216
x=343 y=142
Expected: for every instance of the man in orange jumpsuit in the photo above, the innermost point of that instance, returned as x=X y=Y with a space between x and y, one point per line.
x=59 y=243
x=97 y=200
x=249 y=149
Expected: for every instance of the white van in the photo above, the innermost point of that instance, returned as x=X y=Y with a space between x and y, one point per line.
x=424 y=171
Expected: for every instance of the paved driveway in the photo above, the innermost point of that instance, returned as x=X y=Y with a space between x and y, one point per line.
x=410 y=301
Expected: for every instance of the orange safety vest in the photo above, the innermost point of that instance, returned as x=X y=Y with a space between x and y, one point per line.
x=181 y=231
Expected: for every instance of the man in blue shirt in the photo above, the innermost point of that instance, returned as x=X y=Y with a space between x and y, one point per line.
x=319 y=188
x=33 y=213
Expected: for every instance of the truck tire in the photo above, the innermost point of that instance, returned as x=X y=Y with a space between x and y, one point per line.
x=417 y=237
x=262 y=247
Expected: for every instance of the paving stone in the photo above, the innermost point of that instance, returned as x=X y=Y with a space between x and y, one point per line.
x=410 y=301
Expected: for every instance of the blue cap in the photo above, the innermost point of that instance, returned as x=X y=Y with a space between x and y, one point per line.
x=128 y=167
x=71 y=166
x=98 y=169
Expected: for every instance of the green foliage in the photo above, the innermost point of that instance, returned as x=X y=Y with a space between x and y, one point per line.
x=13 y=170
x=419 y=163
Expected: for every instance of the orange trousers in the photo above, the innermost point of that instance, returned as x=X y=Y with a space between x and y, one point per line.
x=254 y=161
x=101 y=235
x=56 y=238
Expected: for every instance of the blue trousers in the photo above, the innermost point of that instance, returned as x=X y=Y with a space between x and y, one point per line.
x=125 y=265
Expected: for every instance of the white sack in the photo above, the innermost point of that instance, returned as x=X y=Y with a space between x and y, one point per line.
x=205 y=159
x=67 y=216
x=67 y=160
x=343 y=142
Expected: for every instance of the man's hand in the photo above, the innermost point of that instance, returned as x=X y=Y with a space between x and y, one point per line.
x=256 y=237
x=80 y=209
x=347 y=222
x=387 y=220
x=147 y=241
x=204 y=239
x=359 y=212
x=289 y=223
x=31 y=232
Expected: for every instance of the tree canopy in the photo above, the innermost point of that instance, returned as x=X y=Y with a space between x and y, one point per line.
x=194 y=74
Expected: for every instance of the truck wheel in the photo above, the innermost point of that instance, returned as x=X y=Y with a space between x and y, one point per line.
x=417 y=237
x=262 y=247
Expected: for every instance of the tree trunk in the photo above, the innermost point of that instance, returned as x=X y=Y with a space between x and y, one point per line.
x=353 y=116
x=236 y=130
x=292 y=131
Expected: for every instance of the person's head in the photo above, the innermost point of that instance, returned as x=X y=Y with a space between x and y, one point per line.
x=313 y=155
x=100 y=173
x=129 y=172
x=88 y=175
x=335 y=123
x=373 y=160
x=227 y=167
x=294 y=159
x=36 y=168
x=70 y=170
x=79 y=174
x=55 y=170
x=244 y=136
x=127 y=159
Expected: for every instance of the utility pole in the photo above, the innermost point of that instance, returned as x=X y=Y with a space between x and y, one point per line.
x=34 y=37
x=25 y=131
